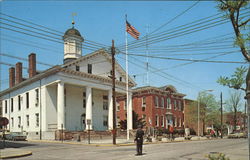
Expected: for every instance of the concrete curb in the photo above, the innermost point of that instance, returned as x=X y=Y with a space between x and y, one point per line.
x=26 y=153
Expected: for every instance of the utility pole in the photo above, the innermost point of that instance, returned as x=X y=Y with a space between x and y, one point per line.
x=245 y=115
x=221 y=115
x=113 y=91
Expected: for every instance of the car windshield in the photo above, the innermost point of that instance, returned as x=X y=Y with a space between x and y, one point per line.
x=17 y=134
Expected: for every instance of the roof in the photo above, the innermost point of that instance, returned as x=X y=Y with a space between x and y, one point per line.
x=72 y=32
x=63 y=68
x=160 y=89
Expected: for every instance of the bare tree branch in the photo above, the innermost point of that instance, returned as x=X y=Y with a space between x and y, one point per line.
x=244 y=23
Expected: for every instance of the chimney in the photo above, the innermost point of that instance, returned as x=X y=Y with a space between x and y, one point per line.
x=32 y=65
x=19 y=73
x=11 y=77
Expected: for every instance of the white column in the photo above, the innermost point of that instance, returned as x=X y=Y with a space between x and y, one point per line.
x=110 y=116
x=43 y=99
x=130 y=112
x=60 y=106
x=89 y=107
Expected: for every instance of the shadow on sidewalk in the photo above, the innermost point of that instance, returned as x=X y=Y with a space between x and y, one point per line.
x=14 y=144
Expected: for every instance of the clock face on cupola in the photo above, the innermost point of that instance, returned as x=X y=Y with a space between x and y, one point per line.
x=72 y=44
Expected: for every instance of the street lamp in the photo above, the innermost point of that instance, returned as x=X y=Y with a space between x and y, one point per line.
x=210 y=90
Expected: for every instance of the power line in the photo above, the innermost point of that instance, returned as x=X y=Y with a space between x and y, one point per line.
x=179 y=29
x=53 y=30
x=25 y=59
x=191 y=60
x=174 y=18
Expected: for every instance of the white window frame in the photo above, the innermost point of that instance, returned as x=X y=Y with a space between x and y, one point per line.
x=162 y=120
x=117 y=106
x=143 y=100
x=157 y=120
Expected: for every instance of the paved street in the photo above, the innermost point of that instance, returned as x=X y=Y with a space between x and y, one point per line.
x=236 y=149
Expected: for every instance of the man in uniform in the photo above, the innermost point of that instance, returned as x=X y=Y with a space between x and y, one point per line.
x=139 y=140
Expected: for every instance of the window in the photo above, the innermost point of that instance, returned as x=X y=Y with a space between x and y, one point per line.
x=162 y=121
x=174 y=121
x=12 y=121
x=175 y=124
x=77 y=68
x=90 y=68
x=105 y=121
x=156 y=120
x=118 y=121
x=125 y=104
x=6 y=106
x=12 y=104
x=162 y=102
x=180 y=107
x=143 y=101
x=180 y=122
x=19 y=102
x=83 y=118
x=156 y=101
x=105 y=102
x=19 y=121
x=37 y=119
x=168 y=103
x=27 y=100
x=144 y=117
x=117 y=106
x=120 y=79
x=105 y=97
x=37 y=97
x=175 y=105
x=84 y=100
x=84 y=103
x=27 y=120
x=105 y=105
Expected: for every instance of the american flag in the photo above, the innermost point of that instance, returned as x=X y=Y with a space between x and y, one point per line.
x=132 y=31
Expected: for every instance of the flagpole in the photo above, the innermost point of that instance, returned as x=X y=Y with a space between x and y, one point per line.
x=128 y=108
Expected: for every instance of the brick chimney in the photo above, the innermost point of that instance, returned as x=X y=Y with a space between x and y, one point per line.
x=11 y=77
x=32 y=65
x=19 y=72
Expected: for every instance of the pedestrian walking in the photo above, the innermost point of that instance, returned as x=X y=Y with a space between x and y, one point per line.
x=139 y=140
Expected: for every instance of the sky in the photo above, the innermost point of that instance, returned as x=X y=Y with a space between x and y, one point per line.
x=103 y=21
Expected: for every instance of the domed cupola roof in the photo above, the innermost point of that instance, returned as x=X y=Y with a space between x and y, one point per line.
x=72 y=32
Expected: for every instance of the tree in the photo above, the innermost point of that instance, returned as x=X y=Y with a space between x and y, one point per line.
x=234 y=105
x=208 y=109
x=136 y=121
x=236 y=81
x=232 y=9
x=239 y=23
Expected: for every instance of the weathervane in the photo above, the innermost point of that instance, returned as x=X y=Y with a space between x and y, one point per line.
x=73 y=21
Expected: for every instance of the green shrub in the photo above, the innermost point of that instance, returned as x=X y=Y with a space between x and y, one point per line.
x=217 y=156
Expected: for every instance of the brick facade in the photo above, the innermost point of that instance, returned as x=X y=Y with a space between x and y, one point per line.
x=160 y=107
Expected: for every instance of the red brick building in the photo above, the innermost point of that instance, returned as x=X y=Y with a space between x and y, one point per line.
x=159 y=107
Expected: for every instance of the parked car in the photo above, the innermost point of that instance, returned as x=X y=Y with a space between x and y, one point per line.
x=238 y=135
x=15 y=136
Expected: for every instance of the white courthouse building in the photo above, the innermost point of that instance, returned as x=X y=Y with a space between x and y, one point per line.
x=65 y=96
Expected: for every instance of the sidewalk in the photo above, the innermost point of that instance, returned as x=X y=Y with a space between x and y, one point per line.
x=13 y=153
